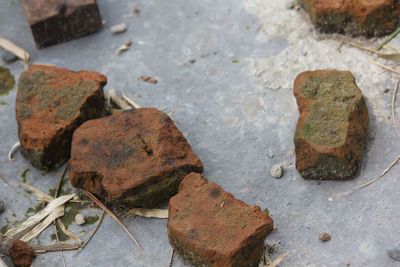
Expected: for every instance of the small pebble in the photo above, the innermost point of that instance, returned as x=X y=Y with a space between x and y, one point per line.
x=8 y=57
x=119 y=28
x=79 y=219
x=1 y=206
x=324 y=237
x=277 y=171
x=128 y=43
x=394 y=252
x=192 y=60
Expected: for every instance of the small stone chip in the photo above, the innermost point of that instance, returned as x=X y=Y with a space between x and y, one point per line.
x=277 y=171
x=79 y=219
x=119 y=28
x=324 y=237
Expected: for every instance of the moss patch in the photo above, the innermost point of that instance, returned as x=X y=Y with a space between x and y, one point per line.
x=24 y=174
x=335 y=97
x=7 y=81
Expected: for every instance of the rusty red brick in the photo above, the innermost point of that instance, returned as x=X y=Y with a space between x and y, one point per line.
x=207 y=226
x=133 y=158
x=56 y=21
x=51 y=103
x=356 y=17
x=332 y=126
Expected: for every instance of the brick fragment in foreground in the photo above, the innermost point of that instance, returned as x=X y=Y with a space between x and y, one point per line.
x=332 y=126
x=207 y=226
x=135 y=158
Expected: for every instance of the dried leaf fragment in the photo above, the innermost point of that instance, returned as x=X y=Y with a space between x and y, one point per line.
x=148 y=79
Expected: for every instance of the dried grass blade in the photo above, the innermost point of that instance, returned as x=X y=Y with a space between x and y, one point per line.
x=68 y=233
x=395 y=50
x=16 y=50
x=13 y=149
x=98 y=202
x=41 y=195
x=384 y=66
x=54 y=204
x=56 y=213
x=130 y=101
x=149 y=213
x=363 y=47
x=117 y=100
x=279 y=259
x=171 y=258
x=393 y=57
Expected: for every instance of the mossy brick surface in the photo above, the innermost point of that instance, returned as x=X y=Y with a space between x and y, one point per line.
x=355 y=17
x=51 y=103
x=135 y=158
x=207 y=226
x=332 y=125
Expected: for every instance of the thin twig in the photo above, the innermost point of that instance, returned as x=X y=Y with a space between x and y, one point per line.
x=340 y=44
x=98 y=202
x=171 y=258
x=60 y=180
x=393 y=108
x=127 y=99
x=92 y=234
x=387 y=40
x=384 y=66
x=363 y=47
x=369 y=183
x=58 y=241
x=54 y=248
x=279 y=259
x=13 y=149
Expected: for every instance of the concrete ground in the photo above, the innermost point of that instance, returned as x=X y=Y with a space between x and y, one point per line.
x=236 y=108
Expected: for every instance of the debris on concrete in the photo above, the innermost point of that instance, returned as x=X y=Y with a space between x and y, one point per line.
x=21 y=254
x=136 y=10
x=128 y=43
x=203 y=215
x=80 y=219
x=369 y=18
x=7 y=81
x=51 y=103
x=270 y=154
x=332 y=126
x=55 y=22
x=7 y=56
x=277 y=170
x=2 y=206
x=148 y=79
x=324 y=237
x=394 y=251
x=139 y=169
x=119 y=28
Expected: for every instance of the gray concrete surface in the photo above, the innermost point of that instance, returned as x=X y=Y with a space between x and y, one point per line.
x=236 y=108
